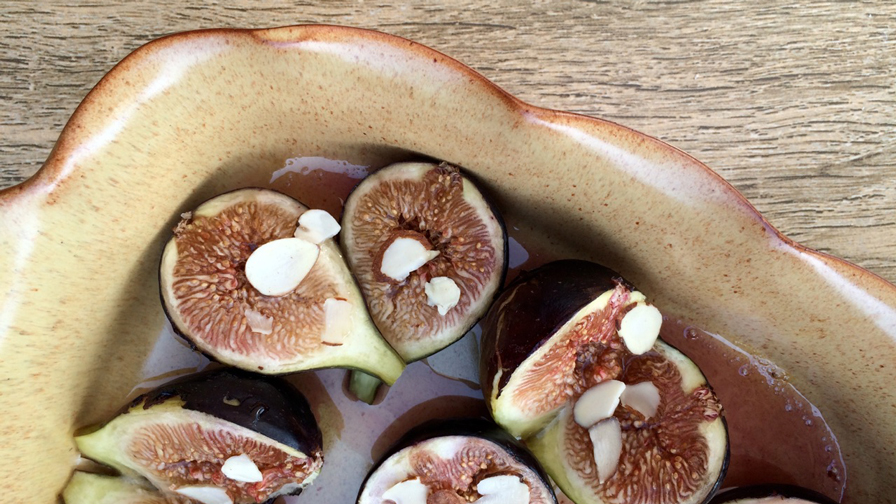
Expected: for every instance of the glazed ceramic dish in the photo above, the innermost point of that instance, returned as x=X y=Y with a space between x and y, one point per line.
x=190 y=116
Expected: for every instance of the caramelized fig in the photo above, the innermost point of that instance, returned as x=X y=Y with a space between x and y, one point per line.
x=87 y=488
x=457 y=461
x=429 y=253
x=220 y=437
x=572 y=362
x=771 y=494
x=253 y=279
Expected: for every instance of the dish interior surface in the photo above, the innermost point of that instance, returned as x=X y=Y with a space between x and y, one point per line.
x=192 y=116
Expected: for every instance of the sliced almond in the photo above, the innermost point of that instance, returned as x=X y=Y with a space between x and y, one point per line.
x=317 y=226
x=206 y=494
x=407 y=492
x=279 y=266
x=404 y=255
x=337 y=321
x=640 y=327
x=598 y=402
x=443 y=293
x=503 y=489
x=258 y=322
x=606 y=437
x=241 y=468
x=643 y=397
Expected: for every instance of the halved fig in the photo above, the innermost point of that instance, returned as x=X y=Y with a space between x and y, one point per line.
x=221 y=437
x=771 y=494
x=457 y=461
x=542 y=336
x=428 y=250
x=572 y=362
x=678 y=455
x=88 y=488
x=253 y=284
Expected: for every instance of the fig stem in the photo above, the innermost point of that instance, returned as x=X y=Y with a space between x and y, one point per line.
x=363 y=385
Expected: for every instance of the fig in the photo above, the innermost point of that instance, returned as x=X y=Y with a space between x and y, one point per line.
x=454 y=461
x=571 y=361
x=224 y=436
x=429 y=253
x=771 y=494
x=253 y=279
x=88 y=488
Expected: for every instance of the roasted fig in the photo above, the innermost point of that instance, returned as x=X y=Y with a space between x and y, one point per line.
x=771 y=494
x=457 y=461
x=572 y=362
x=87 y=488
x=253 y=279
x=221 y=437
x=428 y=251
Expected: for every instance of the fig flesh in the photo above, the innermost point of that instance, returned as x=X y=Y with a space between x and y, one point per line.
x=87 y=488
x=457 y=461
x=540 y=339
x=610 y=421
x=677 y=456
x=273 y=318
x=182 y=437
x=771 y=494
x=429 y=253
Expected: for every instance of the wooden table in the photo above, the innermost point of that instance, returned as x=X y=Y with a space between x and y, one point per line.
x=793 y=103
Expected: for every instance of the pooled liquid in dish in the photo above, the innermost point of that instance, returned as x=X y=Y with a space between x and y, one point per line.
x=776 y=434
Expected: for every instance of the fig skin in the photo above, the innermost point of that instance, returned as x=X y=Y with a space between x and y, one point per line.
x=286 y=416
x=267 y=406
x=531 y=309
x=747 y=493
x=469 y=427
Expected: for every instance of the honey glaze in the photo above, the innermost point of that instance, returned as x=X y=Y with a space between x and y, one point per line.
x=318 y=182
x=777 y=435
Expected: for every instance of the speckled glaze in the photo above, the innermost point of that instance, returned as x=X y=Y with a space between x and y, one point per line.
x=193 y=115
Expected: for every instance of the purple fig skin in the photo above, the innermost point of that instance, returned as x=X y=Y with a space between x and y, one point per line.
x=532 y=309
x=269 y=406
x=735 y=495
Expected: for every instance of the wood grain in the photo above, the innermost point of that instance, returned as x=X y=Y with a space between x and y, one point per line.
x=793 y=103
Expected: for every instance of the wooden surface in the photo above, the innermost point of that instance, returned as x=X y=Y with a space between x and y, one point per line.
x=793 y=103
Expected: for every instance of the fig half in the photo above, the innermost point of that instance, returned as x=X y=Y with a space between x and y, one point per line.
x=771 y=494
x=572 y=362
x=87 y=488
x=223 y=437
x=429 y=253
x=253 y=282
x=456 y=461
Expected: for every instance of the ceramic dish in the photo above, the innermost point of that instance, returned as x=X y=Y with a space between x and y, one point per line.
x=190 y=116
